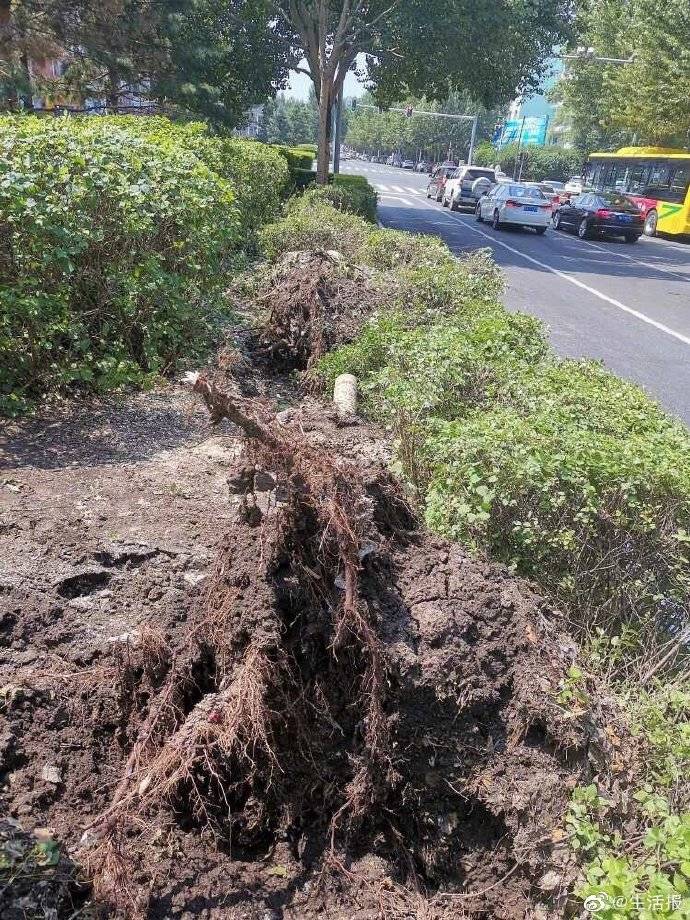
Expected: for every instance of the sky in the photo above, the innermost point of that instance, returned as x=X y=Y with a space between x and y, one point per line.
x=300 y=83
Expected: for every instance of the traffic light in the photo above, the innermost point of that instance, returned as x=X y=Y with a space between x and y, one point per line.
x=408 y=112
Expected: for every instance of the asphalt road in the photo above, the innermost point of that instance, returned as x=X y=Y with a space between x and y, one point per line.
x=626 y=305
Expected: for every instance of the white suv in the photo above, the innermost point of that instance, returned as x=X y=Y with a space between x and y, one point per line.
x=467 y=185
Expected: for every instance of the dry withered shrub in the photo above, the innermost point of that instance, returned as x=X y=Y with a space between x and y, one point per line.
x=355 y=686
x=315 y=301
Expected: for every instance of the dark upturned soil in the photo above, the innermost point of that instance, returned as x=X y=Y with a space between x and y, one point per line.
x=239 y=681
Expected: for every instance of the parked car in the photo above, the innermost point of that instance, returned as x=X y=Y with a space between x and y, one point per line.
x=549 y=191
x=436 y=184
x=574 y=185
x=517 y=204
x=603 y=213
x=423 y=166
x=467 y=185
x=558 y=188
x=408 y=164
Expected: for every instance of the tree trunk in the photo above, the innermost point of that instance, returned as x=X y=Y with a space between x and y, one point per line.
x=112 y=97
x=323 y=155
x=27 y=98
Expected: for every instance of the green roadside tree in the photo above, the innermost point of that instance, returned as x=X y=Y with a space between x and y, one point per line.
x=207 y=57
x=421 y=47
x=606 y=105
x=289 y=121
x=653 y=93
x=220 y=58
x=421 y=135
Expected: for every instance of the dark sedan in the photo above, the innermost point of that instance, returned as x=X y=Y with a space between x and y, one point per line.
x=600 y=213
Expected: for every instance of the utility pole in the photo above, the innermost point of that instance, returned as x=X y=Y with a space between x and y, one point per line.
x=473 y=138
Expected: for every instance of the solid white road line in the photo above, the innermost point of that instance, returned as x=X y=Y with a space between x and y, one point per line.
x=657 y=268
x=566 y=277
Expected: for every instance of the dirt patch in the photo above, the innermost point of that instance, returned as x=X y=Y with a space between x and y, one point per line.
x=356 y=719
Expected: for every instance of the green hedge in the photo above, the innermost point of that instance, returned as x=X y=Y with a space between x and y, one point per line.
x=351 y=194
x=114 y=251
x=574 y=478
x=558 y=468
x=260 y=173
x=317 y=225
x=297 y=158
x=260 y=176
x=337 y=216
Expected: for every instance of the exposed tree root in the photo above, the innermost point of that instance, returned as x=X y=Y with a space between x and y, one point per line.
x=315 y=302
x=351 y=684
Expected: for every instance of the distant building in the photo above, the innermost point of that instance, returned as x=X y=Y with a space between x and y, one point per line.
x=539 y=107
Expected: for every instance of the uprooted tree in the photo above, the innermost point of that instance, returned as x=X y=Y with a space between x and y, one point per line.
x=421 y=46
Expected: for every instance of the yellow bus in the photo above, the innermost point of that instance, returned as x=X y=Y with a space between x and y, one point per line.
x=656 y=178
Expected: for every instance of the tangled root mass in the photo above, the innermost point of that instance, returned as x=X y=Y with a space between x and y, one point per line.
x=365 y=688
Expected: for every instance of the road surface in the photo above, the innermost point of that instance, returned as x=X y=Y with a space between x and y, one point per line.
x=626 y=305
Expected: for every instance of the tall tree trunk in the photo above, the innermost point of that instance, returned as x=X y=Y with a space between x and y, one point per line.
x=28 y=96
x=323 y=155
x=112 y=98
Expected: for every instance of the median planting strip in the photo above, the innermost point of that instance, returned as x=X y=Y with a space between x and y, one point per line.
x=363 y=704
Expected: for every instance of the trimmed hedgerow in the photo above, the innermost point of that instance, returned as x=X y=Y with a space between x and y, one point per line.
x=351 y=194
x=558 y=468
x=577 y=480
x=116 y=238
x=259 y=172
x=114 y=250
x=297 y=158
x=314 y=225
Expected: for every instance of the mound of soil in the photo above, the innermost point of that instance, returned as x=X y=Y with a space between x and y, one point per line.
x=356 y=718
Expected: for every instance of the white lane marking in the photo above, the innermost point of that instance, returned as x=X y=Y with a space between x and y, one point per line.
x=397 y=198
x=576 y=281
x=398 y=188
x=652 y=265
x=415 y=191
x=379 y=186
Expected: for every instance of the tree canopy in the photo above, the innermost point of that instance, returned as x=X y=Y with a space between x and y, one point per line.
x=423 y=47
x=646 y=101
x=211 y=57
x=376 y=131
x=290 y=121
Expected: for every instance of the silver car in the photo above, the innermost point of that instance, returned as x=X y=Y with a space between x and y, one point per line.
x=517 y=204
